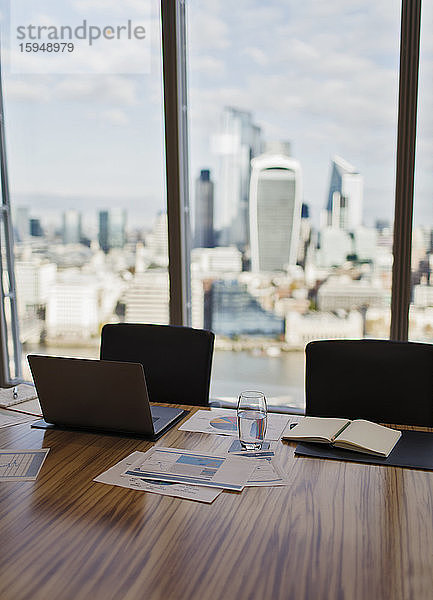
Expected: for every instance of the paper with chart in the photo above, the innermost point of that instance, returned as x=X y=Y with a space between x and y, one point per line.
x=267 y=473
x=167 y=488
x=193 y=468
x=21 y=465
x=224 y=421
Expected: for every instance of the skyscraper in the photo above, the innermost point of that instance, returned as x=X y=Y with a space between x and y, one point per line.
x=275 y=211
x=203 y=227
x=238 y=142
x=112 y=225
x=36 y=228
x=21 y=222
x=344 y=205
x=71 y=229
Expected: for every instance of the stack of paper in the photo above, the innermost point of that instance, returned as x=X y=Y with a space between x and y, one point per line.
x=197 y=475
x=191 y=474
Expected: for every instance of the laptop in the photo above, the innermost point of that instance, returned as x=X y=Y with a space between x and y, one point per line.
x=76 y=393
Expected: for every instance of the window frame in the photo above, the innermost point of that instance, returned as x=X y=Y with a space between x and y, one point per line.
x=175 y=55
x=174 y=60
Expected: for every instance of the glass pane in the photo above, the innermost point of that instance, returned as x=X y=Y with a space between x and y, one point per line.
x=421 y=309
x=87 y=175
x=292 y=109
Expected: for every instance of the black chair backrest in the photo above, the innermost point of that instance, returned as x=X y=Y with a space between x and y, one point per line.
x=177 y=361
x=378 y=380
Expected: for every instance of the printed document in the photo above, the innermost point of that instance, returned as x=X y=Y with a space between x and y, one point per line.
x=21 y=465
x=224 y=422
x=267 y=474
x=194 y=468
x=180 y=490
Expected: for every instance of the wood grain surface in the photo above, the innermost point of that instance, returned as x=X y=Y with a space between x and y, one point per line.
x=340 y=530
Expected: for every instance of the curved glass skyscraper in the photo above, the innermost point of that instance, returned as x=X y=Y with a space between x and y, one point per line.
x=275 y=211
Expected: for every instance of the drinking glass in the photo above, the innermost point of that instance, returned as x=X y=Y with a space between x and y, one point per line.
x=252 y=419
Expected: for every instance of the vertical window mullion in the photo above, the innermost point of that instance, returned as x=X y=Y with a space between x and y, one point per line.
x=9 y=331
x=406 y=141
x=176 y=151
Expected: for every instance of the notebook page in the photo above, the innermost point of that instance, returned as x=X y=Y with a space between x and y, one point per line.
x=371 y=436
x=315 y=428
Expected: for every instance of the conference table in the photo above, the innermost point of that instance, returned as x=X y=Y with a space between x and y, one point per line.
x=339 y=530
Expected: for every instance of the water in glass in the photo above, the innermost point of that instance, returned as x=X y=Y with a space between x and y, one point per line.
x=252 y=419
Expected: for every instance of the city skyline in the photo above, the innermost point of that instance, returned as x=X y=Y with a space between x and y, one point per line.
x=110 y=128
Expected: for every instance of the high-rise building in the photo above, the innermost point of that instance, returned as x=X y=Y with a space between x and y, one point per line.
x=275 y=211
x=216 y=260
x=147 y=298
x=238 y=142
x=203 y=226
x=344 y=205
x=233 y=311
x=21 y=222
x=36 y=228
x=112 y=229
x=71 y=229
x=35 y=278
x=304 y=235
x=157 y=241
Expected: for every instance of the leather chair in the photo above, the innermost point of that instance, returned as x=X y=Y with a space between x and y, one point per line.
x=378 y=380
x=177 y=361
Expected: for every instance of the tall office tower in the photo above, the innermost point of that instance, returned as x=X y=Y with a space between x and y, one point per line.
x=147 y=298
x=36 y=228
x=232 y=310
x=112 y=226
x=21 y=222
x=203 y=226
x=35 y=278
x=71 y=229
x=344 y=205
x=157 y=241
x=304 y=235
x=238 y=142
x=275 y=211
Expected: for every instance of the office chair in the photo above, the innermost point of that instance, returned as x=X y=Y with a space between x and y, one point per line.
x=377 y=380
x=177 y=360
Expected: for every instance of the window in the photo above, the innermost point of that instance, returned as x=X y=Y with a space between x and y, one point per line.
x=292 y=115
x=293 y=120
x=421 y=309
x=87 y=177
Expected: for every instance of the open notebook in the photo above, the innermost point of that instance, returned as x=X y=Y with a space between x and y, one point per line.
x=358 y=435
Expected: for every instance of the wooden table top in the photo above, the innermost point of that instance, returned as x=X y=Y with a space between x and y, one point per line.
x=340 y=530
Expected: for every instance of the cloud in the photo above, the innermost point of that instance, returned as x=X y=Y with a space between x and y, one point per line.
x=110 y=7
x=208 y=31
x=257 y=55
x=26 y=90
x=114 y=89
x=115 y=117
x=208 y=65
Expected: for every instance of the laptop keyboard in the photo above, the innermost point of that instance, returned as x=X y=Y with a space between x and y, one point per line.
x=154 y=419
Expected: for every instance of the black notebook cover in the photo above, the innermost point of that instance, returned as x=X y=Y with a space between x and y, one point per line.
x=414 y=450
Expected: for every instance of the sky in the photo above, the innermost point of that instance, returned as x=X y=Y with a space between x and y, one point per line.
x=322 y=75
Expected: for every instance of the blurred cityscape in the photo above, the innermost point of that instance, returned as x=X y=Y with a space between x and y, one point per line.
x=264 y=278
